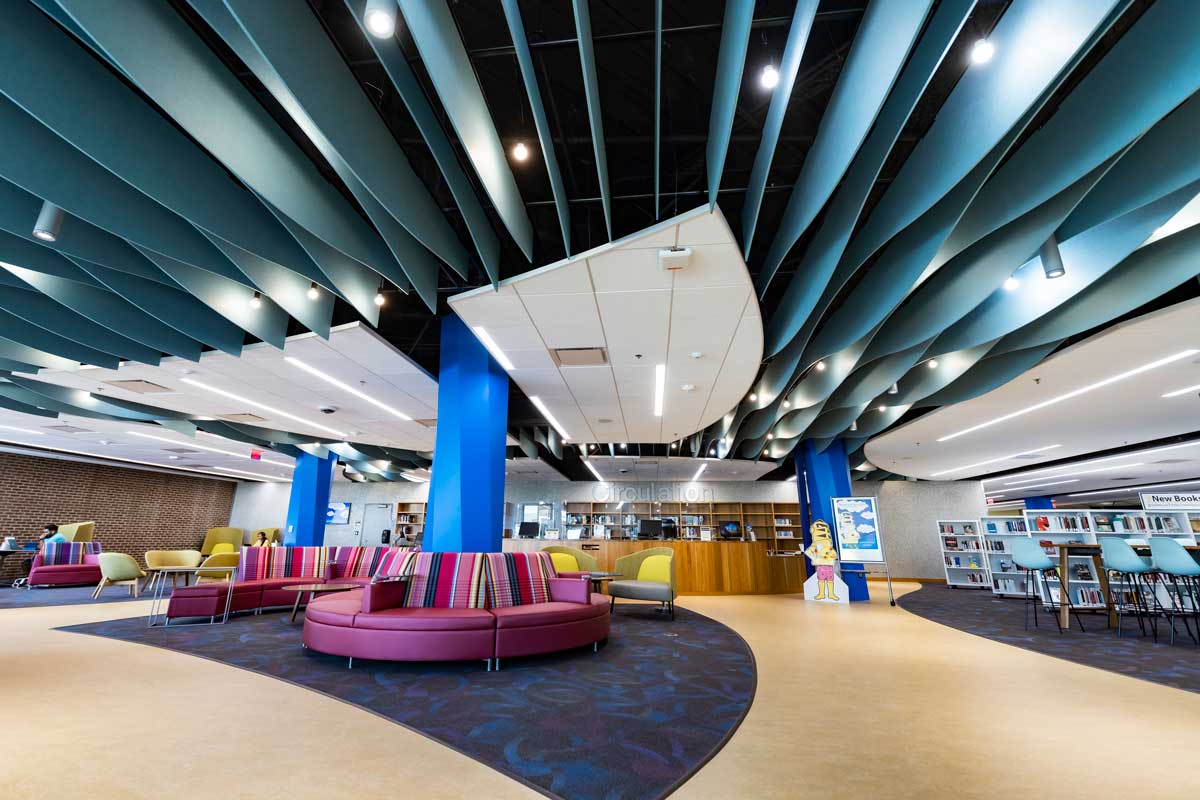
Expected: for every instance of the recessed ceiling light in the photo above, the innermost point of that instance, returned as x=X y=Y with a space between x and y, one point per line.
x=379 y=17
x=1185 y=390
x=346 y=388
x=994 y=460
x=199 y=446
x=699 y=471
x=49 y=222
x=881 y=409
x=982 y=51
x=256 y=300
x=932 y=363
x=588 y=464
x=22 y=430
x=1162 y=362
x=787 y=404
x=264 y=407
x=1011 y=284
x=1047 y=483
x=493 y=348
x=753 y=397
x=674 y=445
x=520 y=152
x=820 y=366
x=697 y=354
x=770 y=436
x=313 y=292
x=769 y=77
x=660 y=385
x=537 y=401
x=622 y=445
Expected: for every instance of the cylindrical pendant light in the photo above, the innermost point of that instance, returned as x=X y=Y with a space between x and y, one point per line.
x=49 y=222
x=1052 y=261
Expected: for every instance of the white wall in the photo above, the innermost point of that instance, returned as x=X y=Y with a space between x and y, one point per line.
x=908 y=510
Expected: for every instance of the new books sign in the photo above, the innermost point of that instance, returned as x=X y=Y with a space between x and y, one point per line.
x=1171 y=501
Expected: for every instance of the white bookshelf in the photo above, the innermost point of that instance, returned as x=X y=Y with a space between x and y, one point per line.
x=998 y=533
x=963 y=554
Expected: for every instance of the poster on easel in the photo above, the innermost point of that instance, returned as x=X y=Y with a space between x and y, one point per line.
x=858 y=534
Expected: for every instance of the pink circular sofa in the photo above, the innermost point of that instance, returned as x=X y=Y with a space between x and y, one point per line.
x=458 y=607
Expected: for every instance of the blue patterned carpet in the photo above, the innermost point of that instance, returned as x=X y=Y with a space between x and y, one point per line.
x=64 y=596
x=1000 y=619
x=632 y=721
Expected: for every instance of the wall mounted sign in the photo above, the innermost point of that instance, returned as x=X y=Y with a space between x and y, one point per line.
x=1171 y=501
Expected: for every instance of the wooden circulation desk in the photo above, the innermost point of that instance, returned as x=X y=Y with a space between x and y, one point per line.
x=700 y=567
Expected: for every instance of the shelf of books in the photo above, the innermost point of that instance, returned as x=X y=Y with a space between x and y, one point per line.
x=776 y=523
x=962 y=554
x=410 y=520
x=998 y=533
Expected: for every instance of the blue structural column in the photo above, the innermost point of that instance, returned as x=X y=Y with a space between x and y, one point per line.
x=308 y=504
x=826 y=474
x=466 y=492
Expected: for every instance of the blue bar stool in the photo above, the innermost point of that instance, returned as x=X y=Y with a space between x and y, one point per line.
x=1029 y=556
x=1172 y=561
x=1122 y=562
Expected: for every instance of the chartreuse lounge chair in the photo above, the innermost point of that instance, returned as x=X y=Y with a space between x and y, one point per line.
x=160 y=559
x=78 y=531
x=118 y=569
x=569 y=559
x=215 y=536
x=217 y=560
x=646 y=575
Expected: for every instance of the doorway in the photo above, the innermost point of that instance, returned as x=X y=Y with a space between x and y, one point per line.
x=377 y=518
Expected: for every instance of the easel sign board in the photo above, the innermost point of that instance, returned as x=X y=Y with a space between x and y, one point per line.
x=1170 y=501
x=856 y=520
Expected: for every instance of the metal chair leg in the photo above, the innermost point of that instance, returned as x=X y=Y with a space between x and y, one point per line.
x=1061 y=593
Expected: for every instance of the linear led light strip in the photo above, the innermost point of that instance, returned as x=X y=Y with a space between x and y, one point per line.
x=492 y=347
x=107 y=457
x=1131 y=488
x=1039 y=485
x=537 y=401
x=589 y=465
x=1162 y=362
x=1072 y=474
x=254 y=474
x=346 y=388
x=699 y=472
x=1066 y=468
x=263 y=406
x=210 y=449
x=1185 y=390
x=995 y=460
x=22 y=430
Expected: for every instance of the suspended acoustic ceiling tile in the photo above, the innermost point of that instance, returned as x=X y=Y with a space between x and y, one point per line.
x=619 y=299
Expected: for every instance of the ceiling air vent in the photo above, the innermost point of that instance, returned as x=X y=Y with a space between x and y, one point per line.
x=604 y=421
x=428 y=423
x=1028 y=457
x=66 y=429
x=580 y=356
x=141 y=387
x=180 y=450
x=196 y=466
x=253 y=419
x=1173 y=461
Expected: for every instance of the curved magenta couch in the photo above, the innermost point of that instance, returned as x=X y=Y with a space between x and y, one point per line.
x=385 y=621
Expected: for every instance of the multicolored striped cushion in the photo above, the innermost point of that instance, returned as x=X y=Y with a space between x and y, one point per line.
x=395 y=561
x=59 y=553
x=446 y=580
x=518 y=579
x=254 y=562
x=296 y=562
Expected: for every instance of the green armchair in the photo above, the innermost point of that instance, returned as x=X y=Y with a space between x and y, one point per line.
x=216 y=536
x=118 y=569
x=646 y=575
x=569 y=559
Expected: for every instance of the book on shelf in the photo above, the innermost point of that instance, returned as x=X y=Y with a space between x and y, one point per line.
x=1009 y=585
x=990 y=526
x=1194 y=522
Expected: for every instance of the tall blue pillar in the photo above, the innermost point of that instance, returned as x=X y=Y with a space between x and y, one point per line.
x=308 y=504
x=466 y=492
x=826 y=475
x=1038 y=503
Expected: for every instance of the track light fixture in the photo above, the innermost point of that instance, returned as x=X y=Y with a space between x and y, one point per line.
x=895 y=389
x=982 y=51
x=49 y=222
x=769 y=77
x=313 y=291
x=256 y=301
x=379 y=298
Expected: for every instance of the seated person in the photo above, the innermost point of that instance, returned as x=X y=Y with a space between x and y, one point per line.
x=49 y=534
x=260 y=540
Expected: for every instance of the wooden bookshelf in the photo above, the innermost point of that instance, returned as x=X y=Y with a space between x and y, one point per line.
x=410 y=521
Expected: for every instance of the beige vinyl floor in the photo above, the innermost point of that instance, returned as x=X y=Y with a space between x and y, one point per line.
x=855 y=702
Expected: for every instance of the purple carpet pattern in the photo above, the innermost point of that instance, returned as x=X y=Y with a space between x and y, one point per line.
x=630 y=722
x=1002 y=620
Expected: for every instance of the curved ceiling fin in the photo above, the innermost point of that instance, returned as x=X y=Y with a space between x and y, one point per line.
x=731 y=60
x=233 y=302
x=436 y=35
x=395 y=63
x=990 y=373
x=172 y=307
x=107 y=309
x=516 y=28
x=40 y=310
x=984 y=106
x=16 y=351
x=26 y=408
x=205 y=99
x=1115 y=103
x=789 y=65
x=20 y=252
x=83 y=188
x=884 y=38
x=297 y=62
x=822 y=256
x=591 y=88
x=32 y=336
x=77 y=401
x=61 y=85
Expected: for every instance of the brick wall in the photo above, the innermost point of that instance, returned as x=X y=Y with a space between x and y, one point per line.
x=134 y=510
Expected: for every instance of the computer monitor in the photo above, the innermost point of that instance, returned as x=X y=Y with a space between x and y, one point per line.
x=730 y=529
x=669 y=529
x=649 y=528
x=529 y=530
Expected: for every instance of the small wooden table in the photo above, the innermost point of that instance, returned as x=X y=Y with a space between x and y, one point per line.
x=313 y=590
x=1065 y=551
x=598 y=578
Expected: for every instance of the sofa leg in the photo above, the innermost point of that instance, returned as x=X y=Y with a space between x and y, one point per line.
x=672 y=607
x=497 y=665
x=351 y=664
x=488 y=661
x=595 y=647
x=612 y=604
